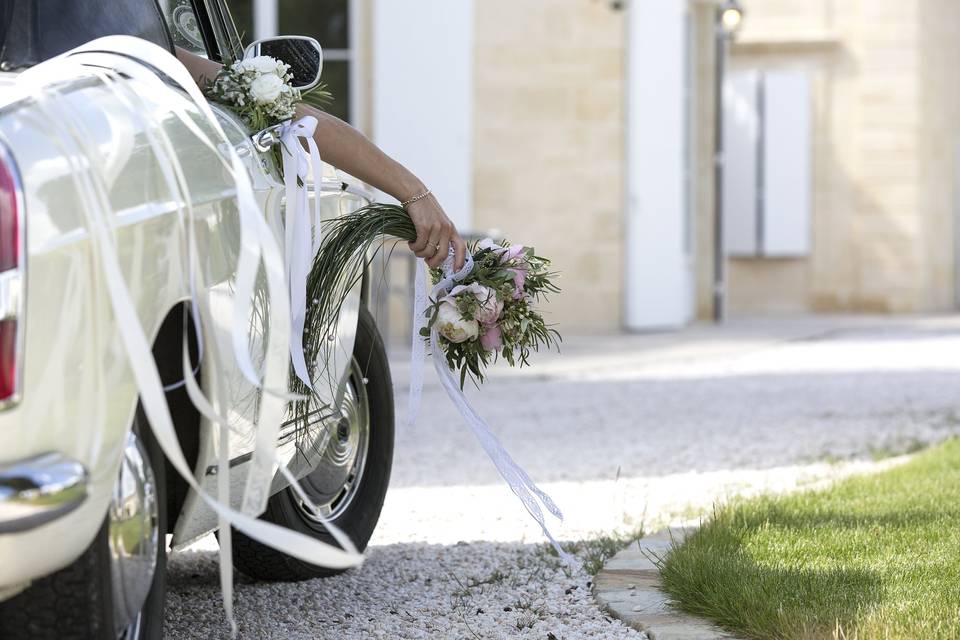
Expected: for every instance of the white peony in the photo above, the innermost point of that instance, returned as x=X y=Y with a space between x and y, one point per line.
x=266 y=88
x=487 y=243
x=453 y=326
x=261 y=64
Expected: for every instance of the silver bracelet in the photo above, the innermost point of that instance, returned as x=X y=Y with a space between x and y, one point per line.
x=420 y=196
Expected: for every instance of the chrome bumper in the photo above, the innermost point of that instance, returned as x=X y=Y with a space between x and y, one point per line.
x=40 y=489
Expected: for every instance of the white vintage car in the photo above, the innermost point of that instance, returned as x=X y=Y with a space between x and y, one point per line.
x=88 y=504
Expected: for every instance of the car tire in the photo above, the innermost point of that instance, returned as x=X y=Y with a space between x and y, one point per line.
x=77 y=602
x=370 y=379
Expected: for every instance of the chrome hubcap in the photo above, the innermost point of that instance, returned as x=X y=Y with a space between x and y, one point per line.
x=134 y=537
x=334 y=482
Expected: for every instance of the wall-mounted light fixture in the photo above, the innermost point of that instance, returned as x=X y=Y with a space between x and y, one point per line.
x=731 y=16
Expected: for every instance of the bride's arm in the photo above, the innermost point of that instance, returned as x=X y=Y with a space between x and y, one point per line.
x=346 y=148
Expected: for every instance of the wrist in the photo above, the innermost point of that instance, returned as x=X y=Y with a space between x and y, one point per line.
x=409 y=189
x=417 y=198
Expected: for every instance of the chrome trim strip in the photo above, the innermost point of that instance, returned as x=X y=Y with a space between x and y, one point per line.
x=37 y=490
x=11 y=292
x=338 y=186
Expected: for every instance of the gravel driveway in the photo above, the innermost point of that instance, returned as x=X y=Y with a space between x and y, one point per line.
x=622 y=431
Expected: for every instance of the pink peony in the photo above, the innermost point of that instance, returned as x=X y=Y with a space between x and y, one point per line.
x=492 y=339
x=506 y=254
x=511 y=253
x=490 y=306
x=519 y=279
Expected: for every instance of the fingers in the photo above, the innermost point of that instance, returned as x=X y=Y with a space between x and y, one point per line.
x=426 y=243
x=422 y=241
x=427 y=249
x=460 y=251
x=442 y=245
x=435 y=233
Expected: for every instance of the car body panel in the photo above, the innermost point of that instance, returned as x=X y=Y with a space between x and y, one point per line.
x=79 y=396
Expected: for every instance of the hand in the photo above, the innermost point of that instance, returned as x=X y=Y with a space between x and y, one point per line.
x=435 y=233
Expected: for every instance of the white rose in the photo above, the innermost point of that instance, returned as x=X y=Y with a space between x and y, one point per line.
x=266 y=89
x=452 y=326
x=260 y=64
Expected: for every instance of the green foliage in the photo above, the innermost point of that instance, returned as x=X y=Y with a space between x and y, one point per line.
x=318 y=97
x=337 y=268
x=872 y=557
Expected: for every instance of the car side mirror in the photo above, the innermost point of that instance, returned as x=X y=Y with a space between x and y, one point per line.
x=303 y=54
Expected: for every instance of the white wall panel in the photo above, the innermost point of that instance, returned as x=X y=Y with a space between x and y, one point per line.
x=741 y=131
x=787 y=164
x=423 y=94
x=657 y=275
x=767 y=164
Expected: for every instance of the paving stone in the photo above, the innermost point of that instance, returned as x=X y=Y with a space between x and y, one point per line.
x=646 y=607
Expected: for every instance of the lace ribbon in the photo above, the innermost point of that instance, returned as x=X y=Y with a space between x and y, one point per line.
x=520 y=483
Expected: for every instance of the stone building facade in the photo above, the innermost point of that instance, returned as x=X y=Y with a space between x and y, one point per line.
x=549 y=144
x=886 y=133
x=885 y=140
x=519 y=114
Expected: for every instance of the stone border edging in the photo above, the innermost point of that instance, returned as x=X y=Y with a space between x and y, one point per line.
x=628 y=587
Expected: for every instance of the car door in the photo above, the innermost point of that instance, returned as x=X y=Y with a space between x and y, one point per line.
x=203 y=28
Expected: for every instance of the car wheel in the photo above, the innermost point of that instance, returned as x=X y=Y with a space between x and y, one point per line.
x=116 y=589
x=349 y=483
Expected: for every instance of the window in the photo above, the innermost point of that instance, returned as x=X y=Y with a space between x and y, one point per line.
x=329 y=22
x=184 y=26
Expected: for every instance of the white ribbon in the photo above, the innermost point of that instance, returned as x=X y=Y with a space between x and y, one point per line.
x=134 y=58
x=520 y=483
x=302 y=236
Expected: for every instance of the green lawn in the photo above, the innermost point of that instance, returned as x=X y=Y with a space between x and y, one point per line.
x=871 y=557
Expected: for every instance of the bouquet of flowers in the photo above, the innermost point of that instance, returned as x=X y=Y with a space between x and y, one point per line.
x=492 y=311
x=485 y=310
x=258 y=90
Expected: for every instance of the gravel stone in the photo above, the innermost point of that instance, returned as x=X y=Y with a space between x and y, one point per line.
x=622 y=431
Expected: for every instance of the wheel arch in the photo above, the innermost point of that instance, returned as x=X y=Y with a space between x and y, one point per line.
x=168 y=354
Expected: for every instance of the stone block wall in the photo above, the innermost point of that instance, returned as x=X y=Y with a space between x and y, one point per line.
x=549 y=144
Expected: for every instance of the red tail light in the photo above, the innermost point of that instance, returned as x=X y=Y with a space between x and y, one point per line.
x=12 y=259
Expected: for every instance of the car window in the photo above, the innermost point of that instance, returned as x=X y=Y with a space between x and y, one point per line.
x=32 y=31
x=184 y=26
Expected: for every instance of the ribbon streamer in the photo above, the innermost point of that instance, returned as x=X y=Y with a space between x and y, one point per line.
x=520 y=483
x=302 y=236
x=107 y=58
